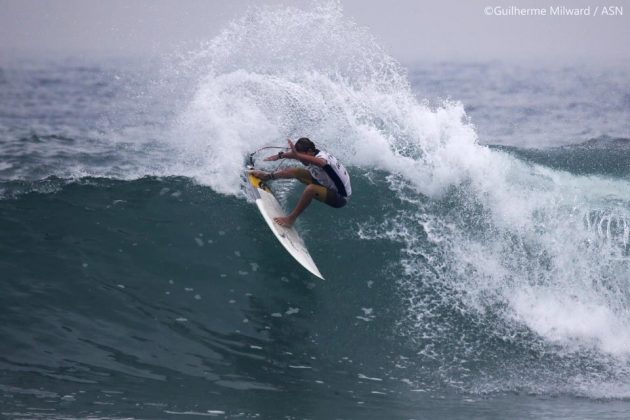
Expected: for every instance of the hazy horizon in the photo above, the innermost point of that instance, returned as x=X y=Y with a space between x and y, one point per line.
x=410 y=31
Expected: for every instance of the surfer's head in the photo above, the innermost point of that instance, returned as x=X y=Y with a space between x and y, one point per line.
x=305 y=145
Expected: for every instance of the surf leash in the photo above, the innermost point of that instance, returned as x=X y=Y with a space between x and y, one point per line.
x=251 y=155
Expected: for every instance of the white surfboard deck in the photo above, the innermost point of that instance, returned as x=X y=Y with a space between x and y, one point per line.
x=288 y=237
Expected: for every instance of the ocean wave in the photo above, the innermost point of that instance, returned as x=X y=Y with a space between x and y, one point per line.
x=477 y=269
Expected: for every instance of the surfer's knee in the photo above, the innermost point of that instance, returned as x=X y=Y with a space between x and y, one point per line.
x=311 y=190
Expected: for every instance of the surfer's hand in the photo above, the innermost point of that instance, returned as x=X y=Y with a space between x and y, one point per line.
x=291 y=146
x=272 y=158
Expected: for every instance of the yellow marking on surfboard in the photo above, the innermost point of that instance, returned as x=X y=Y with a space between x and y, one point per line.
x=257 y=182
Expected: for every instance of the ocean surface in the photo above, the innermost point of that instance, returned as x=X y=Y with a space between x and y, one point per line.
x=481 y=269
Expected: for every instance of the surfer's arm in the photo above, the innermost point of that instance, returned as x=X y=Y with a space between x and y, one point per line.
x=274 y=157
x=304 y=157
x=294 y=154
x=298 y=156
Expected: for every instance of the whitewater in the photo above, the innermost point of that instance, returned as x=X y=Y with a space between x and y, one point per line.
x=466 y=278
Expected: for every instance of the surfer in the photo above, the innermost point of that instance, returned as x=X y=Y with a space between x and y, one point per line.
x=326 y=179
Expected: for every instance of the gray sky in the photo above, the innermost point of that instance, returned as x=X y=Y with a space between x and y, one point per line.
x=409 y=30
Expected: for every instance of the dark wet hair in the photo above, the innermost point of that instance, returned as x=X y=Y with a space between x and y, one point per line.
x=304 y=144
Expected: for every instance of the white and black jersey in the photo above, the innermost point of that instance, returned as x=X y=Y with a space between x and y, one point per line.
x=333 y=175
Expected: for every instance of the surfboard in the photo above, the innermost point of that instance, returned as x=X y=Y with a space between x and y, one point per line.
x=289 y=237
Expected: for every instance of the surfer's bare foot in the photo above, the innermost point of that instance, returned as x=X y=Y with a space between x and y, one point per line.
x=284 y=221
x=261 y=174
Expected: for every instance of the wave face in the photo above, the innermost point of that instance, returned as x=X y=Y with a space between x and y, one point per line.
x=138 y=280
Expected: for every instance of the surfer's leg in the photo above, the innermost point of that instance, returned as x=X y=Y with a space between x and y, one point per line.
x=288 y=173
x=300 y=174
x=261 y=174
x=333 y=198
x=303 y=175
x=310 y=192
